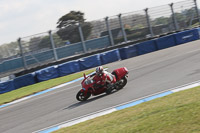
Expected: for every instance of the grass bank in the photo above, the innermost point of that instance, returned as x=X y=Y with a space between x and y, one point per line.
x=28 y=90
x=175 y=113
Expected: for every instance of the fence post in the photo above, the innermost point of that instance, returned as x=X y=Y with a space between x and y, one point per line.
x=22 y=53
x=82 y=38
x=173 y=16
x=122 y=27
x=197 y=10
x=109 y=31
x=148 y=22
x=53 y=46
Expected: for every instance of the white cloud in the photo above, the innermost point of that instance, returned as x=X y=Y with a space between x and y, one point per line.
x=10 y=7
x=102 y=8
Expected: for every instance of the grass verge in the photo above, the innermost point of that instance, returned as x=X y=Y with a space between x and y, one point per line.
x=28 y=90
x=175 y=113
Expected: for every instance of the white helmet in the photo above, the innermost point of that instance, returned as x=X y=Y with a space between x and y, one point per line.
x=99 y=70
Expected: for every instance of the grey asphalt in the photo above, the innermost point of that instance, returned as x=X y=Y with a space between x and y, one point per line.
x=149 y=74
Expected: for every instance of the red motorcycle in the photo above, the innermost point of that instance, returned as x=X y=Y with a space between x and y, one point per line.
x=88 y=85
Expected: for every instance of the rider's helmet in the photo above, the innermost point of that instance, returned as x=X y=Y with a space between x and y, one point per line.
x=99 y=71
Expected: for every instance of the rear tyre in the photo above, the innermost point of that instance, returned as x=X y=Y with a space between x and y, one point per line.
x=108 y=91
x=80 y=96
x=122 y=83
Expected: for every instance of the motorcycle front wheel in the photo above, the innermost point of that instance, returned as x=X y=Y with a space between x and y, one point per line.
x=80 y=96
x=122 y=83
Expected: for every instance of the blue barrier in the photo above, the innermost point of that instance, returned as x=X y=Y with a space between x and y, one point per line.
x=128 y=52
x=6 y=86
x=24 y=80
x=89 y=62
x=110 y=56
x=198 y=31
x=47 y=73
x=146 y=47
x=166 y=42
x=187 y=36
x=68 y=68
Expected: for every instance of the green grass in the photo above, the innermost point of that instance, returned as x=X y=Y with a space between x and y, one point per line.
x=28 y=90
x=175 y=113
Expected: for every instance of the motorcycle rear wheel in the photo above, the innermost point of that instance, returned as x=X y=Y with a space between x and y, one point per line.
x=80 y=96
x=108 y=91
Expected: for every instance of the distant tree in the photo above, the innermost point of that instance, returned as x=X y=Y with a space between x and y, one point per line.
x=189 y=12
x=68 y=26
x=134 y=19
x=186 y=14
x=39 y=43
x=180 y=17
x=138 y=26
x=161 y=21
x=34 y=44
x=57 y=40
x=45 y=42
x=71 y=18
x=9 y=49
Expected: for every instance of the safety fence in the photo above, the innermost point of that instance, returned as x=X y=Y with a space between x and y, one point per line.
x=48 y=55
x=43 y=48
x=100 y=59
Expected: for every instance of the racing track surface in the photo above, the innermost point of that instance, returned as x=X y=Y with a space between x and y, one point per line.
x=149 y=74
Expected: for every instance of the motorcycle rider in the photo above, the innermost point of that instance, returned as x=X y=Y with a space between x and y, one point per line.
x=103 y=78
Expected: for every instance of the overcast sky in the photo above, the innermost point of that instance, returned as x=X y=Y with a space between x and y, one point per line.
x=20 y=18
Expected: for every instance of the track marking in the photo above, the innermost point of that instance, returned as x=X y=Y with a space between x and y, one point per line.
x=42 y=92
